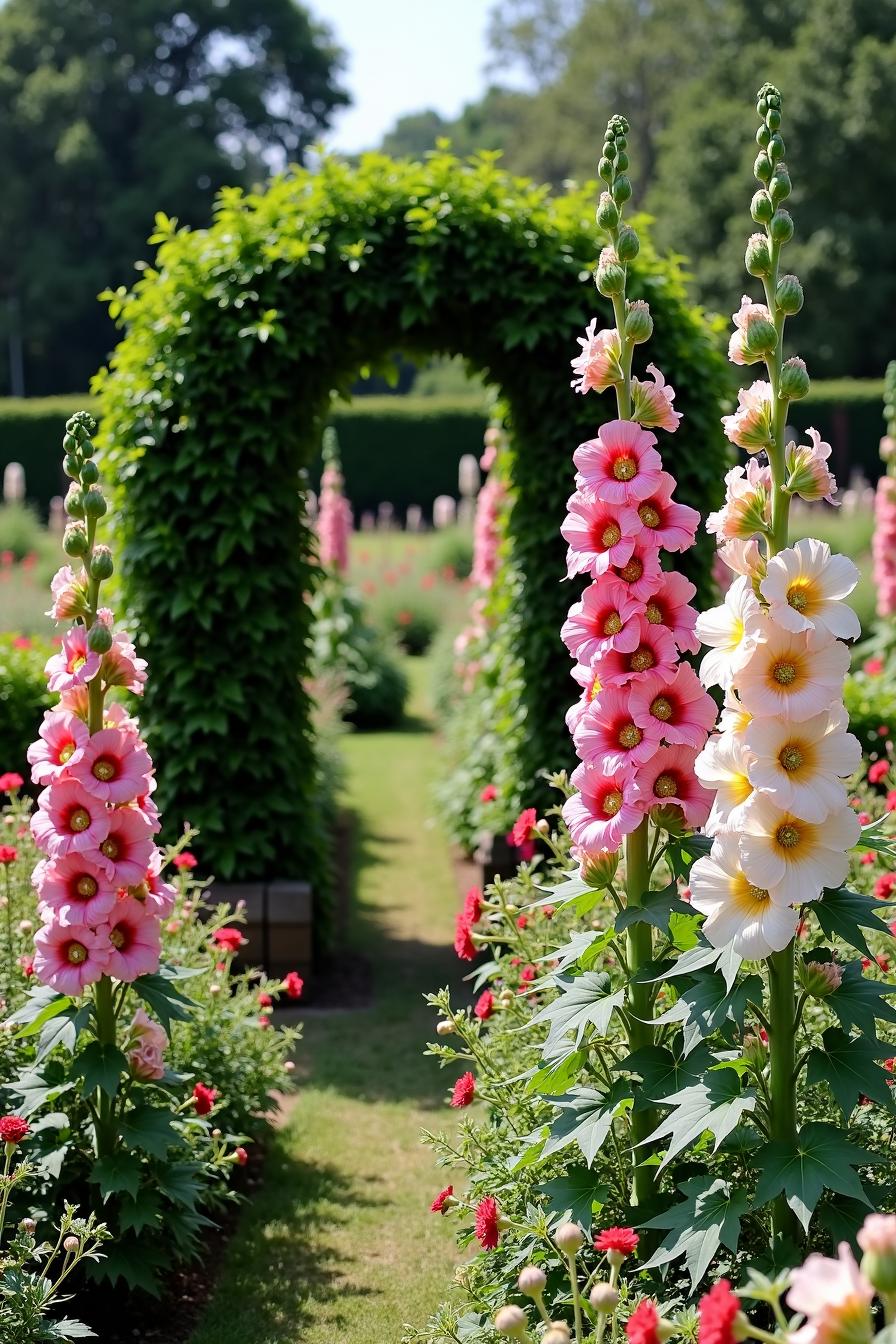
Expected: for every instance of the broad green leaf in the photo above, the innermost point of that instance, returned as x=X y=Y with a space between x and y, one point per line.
x=148 y=1128
x=588 y=1001
x=558 y=1076
x=664 y=1071
x=165 y=1000
x=575 y=1195
x=63 y=1029
x=136 y=1214
x=655 y=909
x=119 y=1173
x=850 y=1065
x=34 y=1090
x=585 y=1117
x=717 y=1104
x=101 y=1065
x=859 y=1001
x=822 y=1159
x=842 y=1218
x=843 y=914
x=707 y=1218
x=702 y=955
x=579 y=949
x=42 y=1005
x=180 y=1181
x=706 y=1004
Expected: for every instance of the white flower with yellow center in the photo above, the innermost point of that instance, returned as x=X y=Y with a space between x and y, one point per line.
x=805 y=586
x=755 y=921
x=729 y=632
x=792 y=676
x=801 y=765
x=733 y=718
x=792 y=858
x=722 y=767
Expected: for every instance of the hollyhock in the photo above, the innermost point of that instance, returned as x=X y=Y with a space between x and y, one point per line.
x=751 y=425
x=442 y=1200
x=229 y=939
x=742 y=557
x=68 y=958
x=642 y=574
x=802 y=765
x=621 y=1240
x=723 y=766
x=654 y=652
x=149 y=1043
x=620 y=466
x=13 y=1129
x=835 y=1298
x=464 y=1091
x=791 y=675
x=159 y=895
x=597 y=365
x=122 y=667
x=805 y=586
x=747 y=507
x=598 y=534
x=652 y=402
x=668 y=777
x=669 y=606
x=677 y=704
x=75 y=665
x=126 y=849
x=605 y=618
x=204 y=1098
x=718 y=1311
x=608 y=736
x=753 y=919
x=487 y=1223
x=733 y=718
x=642 y=1327
x=604 y=810
x=293 y=985
x=69 y=595
x=485 y=1005
x=795 y=859
x=808 y=474
x=751 y=318
x=114 y=766
x=68 y=820
x=75 y=889
x=670 y=526
x=62 y=738
x=730 y=632
x=334 y=521
x=135 y=939
x=590 y=683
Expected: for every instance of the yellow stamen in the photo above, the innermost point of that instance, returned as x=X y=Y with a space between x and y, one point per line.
x=666 y=786
x=624 y=468
x=612 y=803
x=661 y=709
x=629 y=736
x=649 y=515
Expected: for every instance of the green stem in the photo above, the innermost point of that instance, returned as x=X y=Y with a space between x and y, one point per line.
x=782 y=1065
x=640 y=1031
x=576 y=1298
x=10 y=942
x=105 y=1133
x=7 y=1187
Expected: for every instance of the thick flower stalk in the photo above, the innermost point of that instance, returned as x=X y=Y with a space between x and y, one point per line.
x=101 y=897
x=334 y=518
x=643 y=715
x=883 y=544
x=781 y=821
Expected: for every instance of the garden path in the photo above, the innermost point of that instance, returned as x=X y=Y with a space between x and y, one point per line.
x=338 y=1244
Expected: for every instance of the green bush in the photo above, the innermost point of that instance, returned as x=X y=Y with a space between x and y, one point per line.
x=452 y=550
x=344 y=645
x=23 y=698
x=847 y=414
x=30 y=430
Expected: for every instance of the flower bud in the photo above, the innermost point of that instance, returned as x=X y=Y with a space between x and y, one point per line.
x=669 y=818
x=598 y=867
x=569 y=1237
x=794 y=382
x=511 y=1321
x=71 y=1244
x=81 y=425
x=627 y=244
x=773 y=118
x=622 y=189
x=71 y=465
x=558 y=1334
x=877 y=1238
x=94 y=502
x=638 y=326
x=762 y=168
x=775 y=149
x=70 y=445
x=759 y=337
x=780 y=185
x=610 y=277
x=819 y=978
x=781 y=227
x=74 y=501
x=754 y=1050
x=444 y=1028
x=621 y=162
x=607 y=212
x=532 y=1281
x=789 y=295
x=90 y=473
x=605 y=170
x=758 y=258
x=101 y=565
x=74 y=539
x=28 y=1226
x=604 y=1298
x=761 y=207
x=99 y=638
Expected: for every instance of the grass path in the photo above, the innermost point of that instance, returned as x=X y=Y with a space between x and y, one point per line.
x=339 y=1245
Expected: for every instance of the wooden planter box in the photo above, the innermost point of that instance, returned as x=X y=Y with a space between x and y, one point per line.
x=278 y=923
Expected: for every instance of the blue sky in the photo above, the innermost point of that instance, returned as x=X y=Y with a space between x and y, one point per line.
x=404 y=55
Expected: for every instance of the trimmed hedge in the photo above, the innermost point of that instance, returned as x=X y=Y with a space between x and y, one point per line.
x=31 y=431
x=847 y=412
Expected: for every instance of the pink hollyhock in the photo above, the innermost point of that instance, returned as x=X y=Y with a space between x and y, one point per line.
x=485 y=1005
x=620 y=466
x=808 y=473
x=75 y=889
x=488 y=794
x=655 y=652
x=605 y=809
x=229 y=939
x=464 y=946
x=148 y=808
x=835 y=1298
x=608 y=735
x=293 y=985
x=184 y=860
x=669 y=778
x=599 y=535
x=135 y=940
x=125 y=851
x=523 y=826
x=69 y=958
x=590 y=683
x=747 y=507
x=334 y=522
x=878 y=771
x=68 y=820
x=149 y=1043
x=62 y=738
x=642 y=1327
x=10 y=782
x=487 y=1223
x=204 y=1098
x=739 y=351
x=487 y=532
x=668 y=525
x=677 y=704
x=668 y=606
x=751 y=425
x=160 y=895
x=642 y=574
x=605 y=618
x=75 y=665
x=69 y=595
x=122 y=667
x=114 y=766
x=652 y=402
x=743 y=556
x=464 y=1091
x=718 y=1311
x=597 y=364
x=622 y=1240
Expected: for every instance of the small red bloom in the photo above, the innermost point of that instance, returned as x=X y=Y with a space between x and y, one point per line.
x=473 y=904
x=10 y=782
x=485 y=1005
x=522 y=921
x=204 y=1098
x=463 y=943
x=527 y=975
x=641 y=1326
x=8 y=854
x=185 y=860
x=486 y=1225
x=866 y=860
x=242 y=1157
x=27 y=965
x=488 y=794
x=883 y=730
x=464 y=1091
x=547 y=912
x=718 y=1310
x=890 y=801
x=523 y=826
x=441 y=1199
x=21 y=642
x=229 y=938
x=621 y=1239
x=883 y=887
x=878 y=771
x=890 y=1064
x=293 y=984
x=873 y=667
x=864 y=818
x=264 y=1000
x=264 y=1022
x=13 y=1129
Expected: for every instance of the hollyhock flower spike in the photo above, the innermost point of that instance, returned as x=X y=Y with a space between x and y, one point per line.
x=599 y=535
x=620 y=466
x=597 y=366
x=652 y=403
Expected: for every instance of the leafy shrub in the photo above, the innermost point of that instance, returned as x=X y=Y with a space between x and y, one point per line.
x=344 y=645
x=29 y=433
x=452 y=549
x=23 y=696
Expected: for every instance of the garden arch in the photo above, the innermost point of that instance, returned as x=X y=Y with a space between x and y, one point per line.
x=234 y=343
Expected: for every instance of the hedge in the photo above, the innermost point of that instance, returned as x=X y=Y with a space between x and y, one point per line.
x=30 y=432
x=848 y=414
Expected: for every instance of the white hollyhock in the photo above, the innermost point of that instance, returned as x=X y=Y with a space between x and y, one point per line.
x=801 y=765
x=792 y=858
x=728 y=631
x=723 y=766
x=755 y=921
x=805 y=586
x=792 y=676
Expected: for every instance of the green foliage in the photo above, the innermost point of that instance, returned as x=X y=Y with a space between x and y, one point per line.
x=285 y=298
x=23 y=697
x=344 y=645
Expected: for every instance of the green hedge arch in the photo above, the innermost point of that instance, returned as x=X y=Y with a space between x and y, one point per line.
x=235 y=342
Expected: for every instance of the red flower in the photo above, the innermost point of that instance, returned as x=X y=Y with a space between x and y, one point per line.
x=473 y=904
x=864 y=818
x=230 y=939
x=8 y=854
x=463 y=943
x=486 y=1225
x=204 y=1098
x=464 y=1090
x=264 y=1021
x=878 y=771
x=185 y=860
x=522 y=921
x=10 y=782
x=242 y=1157
x=890 y=1064
x=441 y=1199
x=641 y=1326
x=293 y=984
x=27 y=965
x=866 y=860
x=883 y=887
x=264 y=1000
x=485 y=1005
x=718 y=1310
x=621 y=1239
x=527 y=975
x=890 y=801
x=523 y=826
x=873 y=667
x=21 y=642
x=547 y=912
x=13 y=1129
x=488 y=794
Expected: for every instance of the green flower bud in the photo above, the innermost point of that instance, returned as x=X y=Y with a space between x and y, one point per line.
x=761 y=107
x=71 y=465
x=877 y=1239
x=667 y=817
x=781 y=227
x=794 y=382
x=773 y=118
x=758 y=258
x=780 y=185
x=776 y=149
x=101 y=565
x=88 y=448
x=607 y=212
x=621 y=161
x=74 y=501
x=763 y=135
x=789 y=295
x=622 y=190
x=621 y=142
x=638 y=325
x=81 y=425
x=99 y=638
x=94 y=502
x=627 y=244
x=759 y=338
x=755 y=1051
x=819 y=978
x=599 y=868
x=90 y=473
x=761 y=207
x=762 y=168
x=605 y=170
x=74 y=539
x=70 y=443
x=610 y=277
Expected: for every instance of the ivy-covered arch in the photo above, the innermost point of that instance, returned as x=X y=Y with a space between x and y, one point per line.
x=234 y=343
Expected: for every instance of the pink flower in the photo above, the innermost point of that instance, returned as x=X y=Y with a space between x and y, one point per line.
x=149 y=1042
x=126 y=850
x=69 y=595
x=75 y=665
x=134 y=940
x=293 y=985
x=669 y=778
x=597 y=364
x=605 y=809
x=75 y=889
x=652 y=402
x=739 y=351
x=620 y=466
x=487 y=1223
x=229 y=938
x=873 y=667
x=160 y=896
x=11 y=782
x=122 y=667
x=834 y=1297
x=114 y=766
x=878 y=771
x=666 y=524
x=747 y=507
x=590 y=683
x=334 y=521
x=607 y=735
x=751 y=425
x=808 y=473
x=676 y=705
x=488 y=794
x=655 y=652
x=69 y=958
x=599 y=535
x=668 y=607
x=184 y=860
x=8 y=854
x=641 y=574
x=742 y=557
x=464 y=946
x=605 y=618
x=62 y=738
x=68 y=819
x=485 y=1005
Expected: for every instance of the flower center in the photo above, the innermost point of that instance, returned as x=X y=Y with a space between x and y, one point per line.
x=610 y=535
x=76 y=954
x=66 y=753
x=79 y=819
x=629 y=736
x=632 y=572
x=784 y=673
x=594 y=692
x=612 y=803
x=666 y=786
x=140 y=891
x=649 y=515
x=797 y=597
x=86 y=886
x=613 y=623
x=791 y=757
x=76 y=663
x=641 y=660
x=117 y=938
x=653 y=614
x=624 y=468
x=104 y=769
x=661 y=708
x=757 y=893
x=111 y=848
x=787 y=836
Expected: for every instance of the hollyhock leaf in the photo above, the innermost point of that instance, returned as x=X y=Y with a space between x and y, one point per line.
x=843 y=914
x=137 y=1214
x=166 y=1002
x=101 y=1066
x=684 y=930
x=586 y=1117
x=664 y=1072
x=62 y=1029
x=42 y=1004
x=135 y=1262
x=697 y=958
x=842 y=1218
x=482 y=975
x=179 y=1181
x=572 y=1197
x=850 y=1065
x=707 y=1218
x=716 y=1105
x=705 y=1005
x=655 y=909
x=149 y=1129
x=588 y=1001
x=575 y=952
x=822 y=1159
x=531 y=1151
x=682 y=853
x=555 y=1078
x=564 y=892
x=35 y=1091
x=859 y=1001
x=116 y=1174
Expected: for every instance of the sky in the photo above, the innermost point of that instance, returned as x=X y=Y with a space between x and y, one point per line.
x=403 y=56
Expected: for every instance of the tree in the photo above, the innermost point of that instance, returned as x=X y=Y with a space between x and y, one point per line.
x=112 y=111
